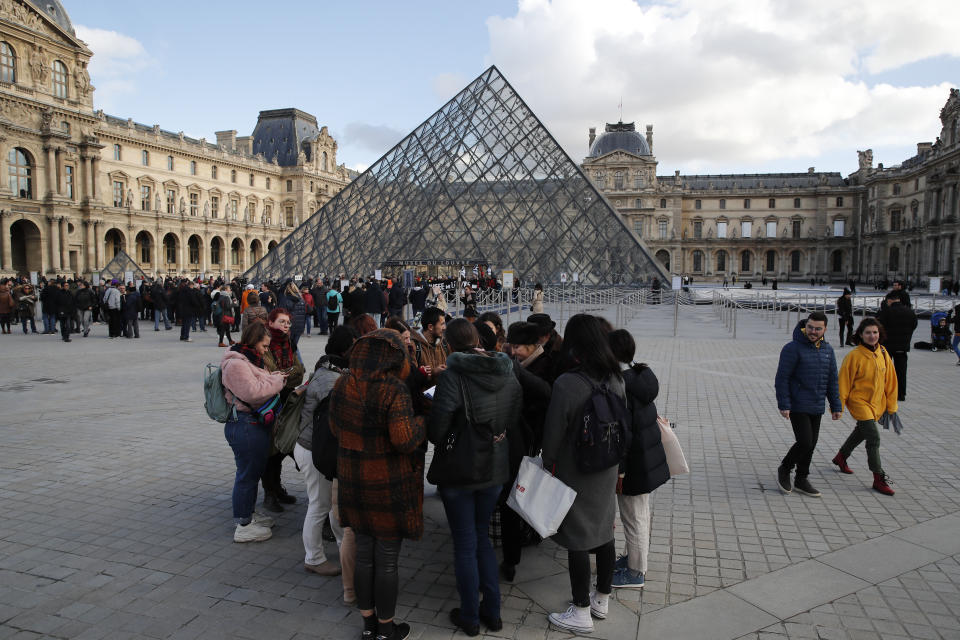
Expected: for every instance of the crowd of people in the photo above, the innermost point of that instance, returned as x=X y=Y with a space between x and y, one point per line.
x=379 y=395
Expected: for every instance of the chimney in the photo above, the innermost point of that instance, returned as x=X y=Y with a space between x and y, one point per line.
x=811 y=169
x=245 y=145
x=593 y=136
x=227 y=139
x=924 y=147
x=650 y=138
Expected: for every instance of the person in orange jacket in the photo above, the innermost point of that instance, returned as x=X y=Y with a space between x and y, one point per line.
x=868 y=389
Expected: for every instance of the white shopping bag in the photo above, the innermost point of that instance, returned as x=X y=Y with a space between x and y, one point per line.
x=541 y=499
x=676 y=461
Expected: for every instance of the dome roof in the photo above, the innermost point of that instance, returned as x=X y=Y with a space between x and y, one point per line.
x=622 y=136
x=55 y=11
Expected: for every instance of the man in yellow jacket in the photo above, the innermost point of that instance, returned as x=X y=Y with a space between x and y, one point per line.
x=868 y=389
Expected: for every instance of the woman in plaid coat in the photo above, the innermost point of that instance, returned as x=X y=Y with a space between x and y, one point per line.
x=379 y=470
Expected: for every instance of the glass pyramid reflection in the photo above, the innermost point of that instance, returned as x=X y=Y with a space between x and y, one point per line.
x=119 y=266
x=481 y=181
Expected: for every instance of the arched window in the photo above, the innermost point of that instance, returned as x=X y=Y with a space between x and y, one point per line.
x=193 y=248
x=795 y=257
x=216 y=251
x=837 y=261
x=233 y=175
x=663 y=203
x=323 y=163
x=745 y=261
x=59 y=79
x=894 y=259
x=236 y=247
x=8 y=64
x=771 y=260
x=170 y=248
x=721 y=261
x=20 y=170
x=145 y=247
x=698 y=261
x=664 y=257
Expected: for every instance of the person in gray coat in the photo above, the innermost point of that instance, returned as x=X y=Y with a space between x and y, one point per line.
x=588 y=526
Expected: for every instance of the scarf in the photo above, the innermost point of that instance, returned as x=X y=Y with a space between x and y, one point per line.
x=533 y=356
x=249 y=353
x=281 y=349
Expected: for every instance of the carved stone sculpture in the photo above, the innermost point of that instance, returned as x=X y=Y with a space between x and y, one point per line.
x=38 y=65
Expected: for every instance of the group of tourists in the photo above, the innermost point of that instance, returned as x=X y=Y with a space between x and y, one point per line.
x=379 y=395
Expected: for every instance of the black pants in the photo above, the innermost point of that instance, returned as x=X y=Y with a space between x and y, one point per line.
x=271 y=473
x=846 y=321
x=186 y=322
x=579 y=567
x=116 y=323
x=223 y=330
x=806 y=430
x=900 y=366
x=64 y=326
x=375 y=577
x=332 y=320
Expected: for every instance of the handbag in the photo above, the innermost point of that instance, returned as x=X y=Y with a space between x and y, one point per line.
x=226 y=319
x=676 y=461
x=465 y=454
x=538 y=497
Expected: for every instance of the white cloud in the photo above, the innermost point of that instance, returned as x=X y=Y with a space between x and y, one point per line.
x=729 y=82
x=118 y=63
x=372 y=137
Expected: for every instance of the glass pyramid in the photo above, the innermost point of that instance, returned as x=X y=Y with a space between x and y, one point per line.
x=119 y=266
x=480 y=182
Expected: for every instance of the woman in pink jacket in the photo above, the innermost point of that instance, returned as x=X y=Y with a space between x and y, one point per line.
x=248 y=385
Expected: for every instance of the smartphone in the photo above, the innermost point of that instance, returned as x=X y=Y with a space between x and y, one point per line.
x=301 y=387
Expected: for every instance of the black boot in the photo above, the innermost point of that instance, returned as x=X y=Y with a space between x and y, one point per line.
x=271 y=502
x=285 y=497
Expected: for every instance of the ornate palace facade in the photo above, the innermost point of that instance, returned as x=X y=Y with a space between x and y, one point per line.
x=875 y=224
x=82 y=185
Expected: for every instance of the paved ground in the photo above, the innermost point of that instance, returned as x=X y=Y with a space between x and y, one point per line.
x=115 y=492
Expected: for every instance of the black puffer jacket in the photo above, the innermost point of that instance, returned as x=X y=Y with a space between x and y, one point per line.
x=646 y=462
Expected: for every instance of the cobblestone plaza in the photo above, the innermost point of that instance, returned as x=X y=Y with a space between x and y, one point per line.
x=116 y=497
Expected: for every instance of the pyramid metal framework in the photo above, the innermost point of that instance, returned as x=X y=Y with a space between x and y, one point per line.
x=481 y=181
x=118 y=267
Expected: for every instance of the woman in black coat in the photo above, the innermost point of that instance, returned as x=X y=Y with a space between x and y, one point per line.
x=645 y=467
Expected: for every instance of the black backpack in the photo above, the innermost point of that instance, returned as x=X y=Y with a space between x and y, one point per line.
x=324 y=444
x=332 y=304
x=604 y=435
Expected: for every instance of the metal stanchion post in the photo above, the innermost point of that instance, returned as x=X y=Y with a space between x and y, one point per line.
x=676 y=311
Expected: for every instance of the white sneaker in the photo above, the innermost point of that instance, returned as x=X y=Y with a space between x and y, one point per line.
x=251 y=533
x=576 y=619
x=262 y=520
x=599 y=604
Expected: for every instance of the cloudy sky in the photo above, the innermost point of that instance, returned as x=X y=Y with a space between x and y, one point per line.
x=729 y=85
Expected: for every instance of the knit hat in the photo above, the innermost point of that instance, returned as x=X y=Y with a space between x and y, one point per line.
x=523 y=333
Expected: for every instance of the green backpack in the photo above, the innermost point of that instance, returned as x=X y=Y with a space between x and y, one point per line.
x=214 y=398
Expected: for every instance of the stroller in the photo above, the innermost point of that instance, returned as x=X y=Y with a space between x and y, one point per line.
x=939 y=332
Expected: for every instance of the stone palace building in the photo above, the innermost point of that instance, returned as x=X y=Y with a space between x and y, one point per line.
x=877 y=223
x=82 y=185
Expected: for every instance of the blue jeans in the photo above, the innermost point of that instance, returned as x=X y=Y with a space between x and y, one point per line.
x=24 y=319
x=250 y=442
x=157 y=315
x=956 y=344
x=306 y=325
x=49 y=323
x=474 y=560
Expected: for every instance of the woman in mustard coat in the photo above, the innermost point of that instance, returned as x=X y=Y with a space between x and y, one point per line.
x=868 y=389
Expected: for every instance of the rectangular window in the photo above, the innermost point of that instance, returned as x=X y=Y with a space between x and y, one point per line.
x=723 y=204
x=215 y=206
x=721 y=229
x=839 y=201
x=618 y=181
x=213 y=172
x=797 y=225
x=193 y=167
x=289 y=216
x=234 y=209
x=170 y=163
x=194 y=204
x=746 y=203
x=268 y=183
x=796 y=203
x=896 y=189
x=117 y=193
x=289 y=185
x=171 y=201
x=697 y=228
x=145 y=158
x=638 y=226
x=144 y=198
x=895 y=223
x=838 y=228
x=637 y=181
x=698 y=204
x=663 y=203
x=68 y=178
x=746 y=228
x=251 y=179
x=116 y=152
x=311 y=186
x=253 y=211
x=772 y=203
x=638 y=203
x=268 y=213
x=771 y=229
x=662 y=229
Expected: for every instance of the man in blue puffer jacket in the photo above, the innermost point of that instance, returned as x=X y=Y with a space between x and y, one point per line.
x=807 y=374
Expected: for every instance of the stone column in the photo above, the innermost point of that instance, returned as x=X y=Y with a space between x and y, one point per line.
x=51 y=171
x=7 y=264
x=64 y=243
x=86 y=189
x=97 y=226
x=94 y=176
x=61 y=171
x=54 y=241
x=204 y=253
x=88 y=242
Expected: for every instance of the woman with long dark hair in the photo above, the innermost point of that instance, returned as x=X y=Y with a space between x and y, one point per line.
x=480 y=386
x=588 y=526
x=868 y=389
